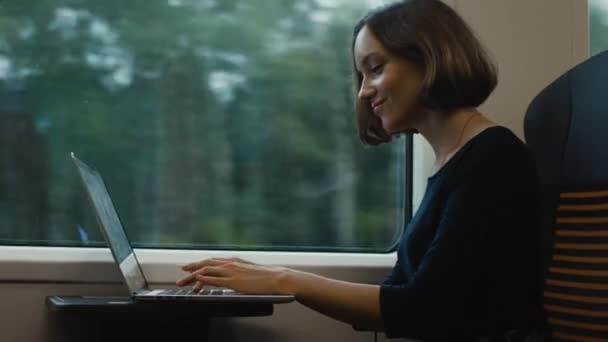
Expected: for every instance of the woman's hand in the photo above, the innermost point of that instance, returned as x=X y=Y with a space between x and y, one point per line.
x=349 y=302
x=195 y=266
x=236 y=274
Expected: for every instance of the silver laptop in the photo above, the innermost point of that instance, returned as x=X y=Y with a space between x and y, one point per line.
x=126 y=260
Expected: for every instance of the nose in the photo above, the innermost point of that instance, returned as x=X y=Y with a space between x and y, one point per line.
x=366 y=91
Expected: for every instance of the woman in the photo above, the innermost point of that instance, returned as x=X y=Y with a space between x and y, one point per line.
x=468 y=262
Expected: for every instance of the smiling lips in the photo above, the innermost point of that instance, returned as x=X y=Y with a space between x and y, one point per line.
x=377 y=104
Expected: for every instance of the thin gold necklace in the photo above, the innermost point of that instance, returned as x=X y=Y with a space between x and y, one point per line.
x=457 y=142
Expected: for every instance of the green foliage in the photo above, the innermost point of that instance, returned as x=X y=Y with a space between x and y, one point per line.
x=598 y=23
x=214 y=123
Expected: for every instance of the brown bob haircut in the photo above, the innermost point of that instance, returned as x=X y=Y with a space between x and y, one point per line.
x=458 y=72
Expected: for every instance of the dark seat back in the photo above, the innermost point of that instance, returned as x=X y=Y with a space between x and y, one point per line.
x=566 y=126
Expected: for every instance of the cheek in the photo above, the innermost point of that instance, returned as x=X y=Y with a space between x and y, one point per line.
x=406 y=97
x=401 y=111
x=401 y=103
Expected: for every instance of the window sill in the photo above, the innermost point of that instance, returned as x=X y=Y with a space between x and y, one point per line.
x=95 y=265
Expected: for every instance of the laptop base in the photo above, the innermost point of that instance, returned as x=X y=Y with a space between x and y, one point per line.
x=94 y=305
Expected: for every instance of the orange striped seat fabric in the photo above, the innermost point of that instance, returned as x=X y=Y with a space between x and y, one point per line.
x=576 y=285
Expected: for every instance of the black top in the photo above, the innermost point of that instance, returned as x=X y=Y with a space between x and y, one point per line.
x=469 y=262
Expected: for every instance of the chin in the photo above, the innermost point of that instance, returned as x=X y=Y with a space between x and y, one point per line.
x=386 y=124
x=389 y=125
x=392 y=127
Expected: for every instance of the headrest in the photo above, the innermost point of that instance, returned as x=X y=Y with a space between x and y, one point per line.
x=566 y=126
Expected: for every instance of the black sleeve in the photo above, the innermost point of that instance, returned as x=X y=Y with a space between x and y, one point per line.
x=441 y=296
x=396 y=276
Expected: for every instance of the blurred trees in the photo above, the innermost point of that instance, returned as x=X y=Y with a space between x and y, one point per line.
x=598 y=25
x=214 y=123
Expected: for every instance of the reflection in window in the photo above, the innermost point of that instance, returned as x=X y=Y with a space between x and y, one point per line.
x=216 y=124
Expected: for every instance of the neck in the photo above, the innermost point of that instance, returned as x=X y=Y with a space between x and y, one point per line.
x=446 y=132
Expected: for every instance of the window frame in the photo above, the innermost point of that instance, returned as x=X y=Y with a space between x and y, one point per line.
x=61 y=264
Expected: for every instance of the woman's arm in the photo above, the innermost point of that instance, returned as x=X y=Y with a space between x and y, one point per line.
x=353 y=303
x=357 y=304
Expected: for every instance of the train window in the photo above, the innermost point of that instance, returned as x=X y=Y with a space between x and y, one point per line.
x=598 y=25
x=218 y=124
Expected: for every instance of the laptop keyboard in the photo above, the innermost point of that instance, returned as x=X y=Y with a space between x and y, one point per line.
x=181 y=293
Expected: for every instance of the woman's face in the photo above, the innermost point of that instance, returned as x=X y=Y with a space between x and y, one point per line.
x=390 y=84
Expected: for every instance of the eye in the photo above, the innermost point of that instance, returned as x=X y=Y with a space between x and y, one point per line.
x=376 y=69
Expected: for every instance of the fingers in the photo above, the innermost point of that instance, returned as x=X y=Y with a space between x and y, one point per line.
x=209 y=276
x=213 y=281
x=201 y=281
x=213 y=271
x=186 y=280
x=197 y=286
x=215 y=276
x=214 y=267
x=194 y=266
x=244 y=261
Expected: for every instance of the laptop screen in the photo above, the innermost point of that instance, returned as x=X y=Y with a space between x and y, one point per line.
x=111 y=227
